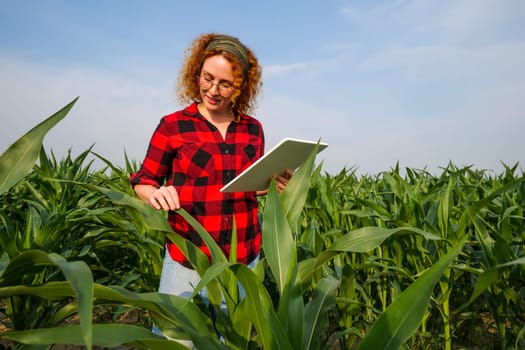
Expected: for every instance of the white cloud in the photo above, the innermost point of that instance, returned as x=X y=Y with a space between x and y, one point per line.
x=435 y=21
x=466 y=18
x=278 y=69
x=310 y=68
x=497 y=62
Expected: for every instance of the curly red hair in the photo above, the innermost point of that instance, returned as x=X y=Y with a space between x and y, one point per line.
x=246 y=85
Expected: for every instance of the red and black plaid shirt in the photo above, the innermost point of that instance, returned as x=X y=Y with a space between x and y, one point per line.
x=188 y=152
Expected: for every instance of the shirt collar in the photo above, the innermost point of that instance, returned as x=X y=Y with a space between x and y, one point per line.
x=193 y=110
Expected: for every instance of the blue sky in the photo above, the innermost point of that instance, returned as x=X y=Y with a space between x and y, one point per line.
x=419 y=83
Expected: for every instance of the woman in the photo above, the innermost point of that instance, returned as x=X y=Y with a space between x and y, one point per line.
x=195 y=151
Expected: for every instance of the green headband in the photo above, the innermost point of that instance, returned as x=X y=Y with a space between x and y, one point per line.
x=232 y=45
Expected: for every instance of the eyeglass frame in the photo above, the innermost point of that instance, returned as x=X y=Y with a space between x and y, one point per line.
x=224 y=91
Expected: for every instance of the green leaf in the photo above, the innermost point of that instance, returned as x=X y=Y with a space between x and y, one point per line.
x=316 y=312
x=4 y=262
x=259 y=310
x=20 y=157
x=296 y=191
x=445 y=207
x=107 y=335
x=291 y=311
x=278 y=243
x=403 y=317
x=81 y=279
x=151 y=216
x=365 y=239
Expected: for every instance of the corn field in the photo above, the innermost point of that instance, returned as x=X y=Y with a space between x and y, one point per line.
x=403 y=259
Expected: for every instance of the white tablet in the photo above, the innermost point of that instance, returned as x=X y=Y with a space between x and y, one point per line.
x=288 y=154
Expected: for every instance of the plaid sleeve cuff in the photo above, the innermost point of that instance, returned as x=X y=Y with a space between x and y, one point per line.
x=139 y=179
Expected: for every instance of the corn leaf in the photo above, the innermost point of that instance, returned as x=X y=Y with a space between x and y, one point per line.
x=81 y=279
x=365 y=239
x=20 y=157
x=260 y=310
x=278 y=243
x=296 y=191
x=107 y=335
x=291 y=310
x=316 y=312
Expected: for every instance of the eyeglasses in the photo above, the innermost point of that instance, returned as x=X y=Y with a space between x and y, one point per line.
x=225 y=88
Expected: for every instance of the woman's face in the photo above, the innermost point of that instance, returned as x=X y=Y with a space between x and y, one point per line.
x=216 y=84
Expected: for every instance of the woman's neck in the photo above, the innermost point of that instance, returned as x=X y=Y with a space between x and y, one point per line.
x=215 y=117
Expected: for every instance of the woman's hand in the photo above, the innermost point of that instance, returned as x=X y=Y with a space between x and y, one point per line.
x=164 y=197
x=282 y=180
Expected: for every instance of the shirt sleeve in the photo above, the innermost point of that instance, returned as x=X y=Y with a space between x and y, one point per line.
x=156 y=166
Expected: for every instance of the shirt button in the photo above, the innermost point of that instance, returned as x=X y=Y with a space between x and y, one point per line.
x=226 y=151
